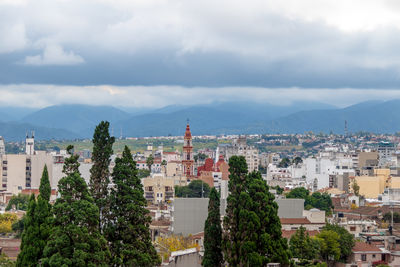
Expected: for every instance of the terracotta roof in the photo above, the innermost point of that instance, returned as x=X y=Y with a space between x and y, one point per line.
x=365 y=247
x=289 y=233
x=295 y=221
x=198 y=235
x=160 y=223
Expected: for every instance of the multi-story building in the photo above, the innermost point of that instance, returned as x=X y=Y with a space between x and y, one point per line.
x=239 y=147
x=158 y=188
x=2 y=146
x=386 y=151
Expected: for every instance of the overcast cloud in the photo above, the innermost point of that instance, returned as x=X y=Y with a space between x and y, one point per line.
x=212 y=46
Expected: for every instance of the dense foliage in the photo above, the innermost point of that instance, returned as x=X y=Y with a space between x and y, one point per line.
x=194 y=189
x=127 y=230
x=302 y=246
x=329 y=243
x=252 y=227
x=346 y=240
x=19 y=202
x=100 y=173
x=213 y=233
x=6 y=222
x=388 y=217
x=316 y=200
x=37 y=225
x=75 y=239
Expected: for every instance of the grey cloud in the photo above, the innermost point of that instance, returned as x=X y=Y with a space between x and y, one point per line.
x=190 y=43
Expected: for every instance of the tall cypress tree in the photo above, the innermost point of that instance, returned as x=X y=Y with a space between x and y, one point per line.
x=213 y=233
x=128 y=227
x=30 y=253
x=44 y=188
x=253 y=234
x=37 y=225
x=75 y=239
x=232 y=237
x=99 y=173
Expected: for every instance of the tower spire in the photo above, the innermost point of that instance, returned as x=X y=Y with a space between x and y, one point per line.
x=188 y=161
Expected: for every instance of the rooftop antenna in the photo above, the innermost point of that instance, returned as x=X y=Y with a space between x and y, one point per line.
x=33 y=134
x=346 y=132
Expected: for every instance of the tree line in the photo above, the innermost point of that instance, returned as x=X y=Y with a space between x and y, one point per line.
x=95 y=225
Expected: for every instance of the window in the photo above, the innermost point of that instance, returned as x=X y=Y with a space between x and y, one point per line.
x=352 y=228
x=363 y=257
x=373 y=255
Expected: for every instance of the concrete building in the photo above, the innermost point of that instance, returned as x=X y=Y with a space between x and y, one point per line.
x=239 y=147
x=158 y=188
x=2 y=146
x=386 y=151
x=290 y=207
x=189 y=215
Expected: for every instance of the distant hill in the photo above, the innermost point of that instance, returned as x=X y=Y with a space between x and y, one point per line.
x=215 y=118
x=14 y=131
x=80 y=119
x=372 y=116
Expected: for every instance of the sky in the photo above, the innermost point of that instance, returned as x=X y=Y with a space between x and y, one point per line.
x=152 y=53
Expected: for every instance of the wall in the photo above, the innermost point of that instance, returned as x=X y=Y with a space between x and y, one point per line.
x=290 y=208
x=189 y=215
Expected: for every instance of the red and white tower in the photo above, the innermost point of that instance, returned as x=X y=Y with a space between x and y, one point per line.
x=188 y=161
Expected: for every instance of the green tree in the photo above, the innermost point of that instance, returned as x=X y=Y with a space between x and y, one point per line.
x=143 y=173
x=297 y=160
x=71 y=164
x=302 y=246
x=194 y=189
x=299 y=192
x=252 y=227
x=150 y=162
x=320 y=201
x=128 y=228
x=45 y=189
x=18 y=227
x=20 y=202
x=100 y=173
x=356 y=188
x=30 y=253
x=346 y=240
x=285 y=162
x=75 y=239
x=387 y=217
x=213 y=233
x=329 y=245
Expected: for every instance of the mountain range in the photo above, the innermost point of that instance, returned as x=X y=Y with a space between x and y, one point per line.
x=79 y=121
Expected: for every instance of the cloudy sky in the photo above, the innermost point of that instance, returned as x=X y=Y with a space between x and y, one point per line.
x=149 y=53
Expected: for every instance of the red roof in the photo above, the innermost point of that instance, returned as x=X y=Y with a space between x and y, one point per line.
x=295 y=221
x=365 y=247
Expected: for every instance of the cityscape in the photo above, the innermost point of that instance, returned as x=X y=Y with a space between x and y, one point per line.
x=199 y=133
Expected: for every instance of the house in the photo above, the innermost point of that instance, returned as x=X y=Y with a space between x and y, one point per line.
x=363 y=254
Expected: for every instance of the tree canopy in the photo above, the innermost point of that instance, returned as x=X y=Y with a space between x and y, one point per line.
x=193 y=189
x=252 y=227
x=20 y=202
x=100 y=173
x=75 y=238
x=213 y=233
x=127 y=230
